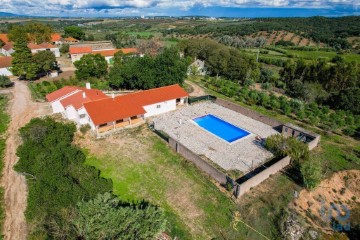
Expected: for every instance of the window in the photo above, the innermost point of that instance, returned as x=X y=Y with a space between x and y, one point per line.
x=82 y=115
x=158 y=106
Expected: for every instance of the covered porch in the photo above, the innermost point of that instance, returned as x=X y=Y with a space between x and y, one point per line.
x=120 y=124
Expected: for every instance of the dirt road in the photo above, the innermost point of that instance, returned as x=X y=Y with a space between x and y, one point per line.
x=21 y=110
x=198 y=91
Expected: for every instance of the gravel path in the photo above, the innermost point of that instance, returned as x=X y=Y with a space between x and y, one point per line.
x=21 y=110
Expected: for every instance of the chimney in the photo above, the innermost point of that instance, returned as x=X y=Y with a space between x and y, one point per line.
x=113 y=96
x=84 y=95
x=88 y=86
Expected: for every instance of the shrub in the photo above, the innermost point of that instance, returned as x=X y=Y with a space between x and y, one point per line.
x=311 y=171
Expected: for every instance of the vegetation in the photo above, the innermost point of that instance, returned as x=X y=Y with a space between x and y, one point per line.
x=75 y=32
x=311 y=171
x=91 y=65
x=105 y=217
x=52 y=193
x=31 y=32
x=5 y=82
x=148 y=72
x=4 y=120
x=223 y=61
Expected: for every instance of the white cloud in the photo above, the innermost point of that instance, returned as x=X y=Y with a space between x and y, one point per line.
x=132 y=7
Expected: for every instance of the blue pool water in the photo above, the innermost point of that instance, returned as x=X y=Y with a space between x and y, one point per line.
x=221 y=128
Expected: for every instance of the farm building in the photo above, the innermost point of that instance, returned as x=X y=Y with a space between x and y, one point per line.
x=5 y=64
x=77 y=52
x=103 y=113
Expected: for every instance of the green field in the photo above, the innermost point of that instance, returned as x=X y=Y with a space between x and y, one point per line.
x=306 y=55
x=143 y=167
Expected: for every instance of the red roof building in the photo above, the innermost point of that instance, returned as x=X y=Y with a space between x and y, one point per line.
x=4 y=37
x=132 y=104
x=5 y=62
x=80 y=49
x=55 y=37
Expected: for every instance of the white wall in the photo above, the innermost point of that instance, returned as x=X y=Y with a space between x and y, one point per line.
x=72 y=114
x=76 y=57
x=57 y=107
x=7 y=53
x=5 y=71
x=153 y=109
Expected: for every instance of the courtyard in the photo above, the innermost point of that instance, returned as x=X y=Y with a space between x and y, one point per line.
x=243 y=154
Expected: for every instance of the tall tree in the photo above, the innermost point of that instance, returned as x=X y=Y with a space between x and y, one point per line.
x=45 y=60
x=33 y=32
x=22 y=61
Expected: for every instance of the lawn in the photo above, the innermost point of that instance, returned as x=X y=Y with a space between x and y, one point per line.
x=143 y=167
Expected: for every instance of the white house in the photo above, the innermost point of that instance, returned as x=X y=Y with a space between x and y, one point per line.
x=8 y=49
x=77 y=52
x=69 y=102
x=131 y=109
x=5 y=64
x=197 y=68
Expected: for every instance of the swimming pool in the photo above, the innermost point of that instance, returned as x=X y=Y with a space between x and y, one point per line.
x=221 y=128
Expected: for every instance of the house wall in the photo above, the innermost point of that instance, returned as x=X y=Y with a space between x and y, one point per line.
x=7 y=53
x=57 y=107
x=5 y=71
x=153 y=109
x=76 y=57
x=72 y=114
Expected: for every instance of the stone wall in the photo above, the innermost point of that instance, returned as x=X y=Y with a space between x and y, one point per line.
x=198 y=161
x=255 y=180
x=249 y=113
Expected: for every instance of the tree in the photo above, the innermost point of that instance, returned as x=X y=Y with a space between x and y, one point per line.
x=45 y=61
x=64 y=48
x=311 y=171
x=1 y=43
x=22 y=62
x=105 y=217
x=91 y=65
x=33 y=32
x=75 y=32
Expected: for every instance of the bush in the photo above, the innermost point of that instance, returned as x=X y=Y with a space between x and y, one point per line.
x=349 y=131
x=85 y=128
x=311 y=171
x=5 y=82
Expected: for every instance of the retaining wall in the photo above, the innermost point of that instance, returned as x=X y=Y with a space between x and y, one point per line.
x=198 y=161
x=261 y=176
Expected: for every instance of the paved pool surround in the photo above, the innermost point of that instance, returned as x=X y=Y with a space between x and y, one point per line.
x=242 y=154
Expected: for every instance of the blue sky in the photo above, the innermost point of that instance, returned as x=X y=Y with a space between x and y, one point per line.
x=216 y=8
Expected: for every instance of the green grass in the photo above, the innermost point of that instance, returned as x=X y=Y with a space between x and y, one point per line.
x=195 y=207
x=144 y=34
x=4 y=121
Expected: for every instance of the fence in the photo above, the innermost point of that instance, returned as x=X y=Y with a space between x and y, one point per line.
x=192 y=100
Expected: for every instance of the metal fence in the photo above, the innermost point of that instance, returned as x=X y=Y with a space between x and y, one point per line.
x=201 y=98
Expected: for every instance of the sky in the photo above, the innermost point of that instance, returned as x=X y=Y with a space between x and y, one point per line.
x=213 y=8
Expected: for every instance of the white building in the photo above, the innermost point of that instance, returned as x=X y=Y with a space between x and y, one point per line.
x=197 y=68
x=69 y=102
x=103 y=113
x=8 y=49
x=5 y=65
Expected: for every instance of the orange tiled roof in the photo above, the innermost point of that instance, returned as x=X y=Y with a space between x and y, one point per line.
x=129 y=105
x=55 y=37
x=71 y=39
x=106 y=53
x=129 y=50
x=47 y=45
x=5 y=62
x=4 y=37
x=79 y=50
x=77 y=100
x=60 y=93
x=8 y=46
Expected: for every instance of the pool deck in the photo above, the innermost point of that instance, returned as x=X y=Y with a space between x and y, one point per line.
x=242 y=154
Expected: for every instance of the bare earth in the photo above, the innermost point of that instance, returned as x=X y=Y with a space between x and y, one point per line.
x=198 y=91
x=21 y=110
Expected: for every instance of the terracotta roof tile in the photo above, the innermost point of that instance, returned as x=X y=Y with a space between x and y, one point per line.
x=47 y=45
x=108 y=110
x=60 y=93
x=129 y=50
x=79 y=50
x=4 y=37
x=5 y=62
x=8 y=46
x=55 y=37
x=106 y=53
x=77 y=100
